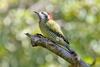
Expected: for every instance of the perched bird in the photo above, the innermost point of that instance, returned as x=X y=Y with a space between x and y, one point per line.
x=51 y=29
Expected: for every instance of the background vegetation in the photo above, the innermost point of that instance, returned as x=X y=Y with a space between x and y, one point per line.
x=79 y=19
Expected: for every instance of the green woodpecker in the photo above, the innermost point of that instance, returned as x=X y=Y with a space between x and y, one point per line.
x=51 y=29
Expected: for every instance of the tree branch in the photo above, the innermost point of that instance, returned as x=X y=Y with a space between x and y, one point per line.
x=39 y=40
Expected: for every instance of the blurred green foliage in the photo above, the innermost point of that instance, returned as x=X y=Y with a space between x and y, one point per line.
x=79 y=19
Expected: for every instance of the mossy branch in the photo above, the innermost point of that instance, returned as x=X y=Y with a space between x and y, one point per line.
x=40 y=40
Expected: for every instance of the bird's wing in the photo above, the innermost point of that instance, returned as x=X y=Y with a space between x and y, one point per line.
x=55 y=28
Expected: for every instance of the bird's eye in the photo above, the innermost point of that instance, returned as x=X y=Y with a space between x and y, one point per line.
x=46 y=16
x=42 y=12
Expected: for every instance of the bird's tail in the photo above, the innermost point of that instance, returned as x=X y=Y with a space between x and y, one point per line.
x=70 y=50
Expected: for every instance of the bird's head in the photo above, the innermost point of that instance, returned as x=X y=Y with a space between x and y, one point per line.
x=43 y=16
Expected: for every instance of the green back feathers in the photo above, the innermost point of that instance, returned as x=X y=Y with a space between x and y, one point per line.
x=54 y=26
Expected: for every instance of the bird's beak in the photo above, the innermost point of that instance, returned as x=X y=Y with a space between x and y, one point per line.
x=37 y=14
